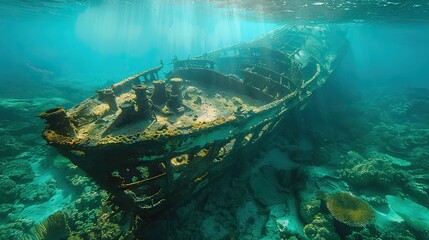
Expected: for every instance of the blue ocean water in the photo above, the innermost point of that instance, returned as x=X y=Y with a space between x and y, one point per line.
x=366 y=132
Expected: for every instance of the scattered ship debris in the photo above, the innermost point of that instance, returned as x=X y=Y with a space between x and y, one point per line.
x=154 y=142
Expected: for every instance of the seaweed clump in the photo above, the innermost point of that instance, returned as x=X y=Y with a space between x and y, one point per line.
x=349 y=209
x=53 y=227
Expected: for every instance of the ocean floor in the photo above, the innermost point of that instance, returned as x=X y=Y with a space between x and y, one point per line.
x=372 y=143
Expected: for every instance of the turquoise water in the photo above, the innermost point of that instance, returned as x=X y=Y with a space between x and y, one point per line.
x=365 y=132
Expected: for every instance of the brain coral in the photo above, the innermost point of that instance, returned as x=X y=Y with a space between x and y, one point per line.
x=349 y=209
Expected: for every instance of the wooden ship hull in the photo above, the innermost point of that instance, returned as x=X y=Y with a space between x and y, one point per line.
x=155 y=143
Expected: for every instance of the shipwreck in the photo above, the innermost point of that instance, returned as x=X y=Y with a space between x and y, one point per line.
x=154 y=142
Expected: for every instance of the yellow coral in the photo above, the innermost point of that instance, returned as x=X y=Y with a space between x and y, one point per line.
x=349 y=209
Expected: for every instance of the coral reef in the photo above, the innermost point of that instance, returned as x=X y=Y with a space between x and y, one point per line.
x=19 y=107
x=90 y=218
x=98 y=225
x=349 y=209
x=374 y=171
x=10 y=145
x=38 y=191
x=403 y=139
x=17 y=170
x=372 y=233
x=8 y=189
x=309 y=209
x=19 y=229
x=320 y=228
x=30 y=184
x=5 y=209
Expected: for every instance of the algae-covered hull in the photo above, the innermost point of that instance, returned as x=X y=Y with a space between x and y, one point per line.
x=154 y=143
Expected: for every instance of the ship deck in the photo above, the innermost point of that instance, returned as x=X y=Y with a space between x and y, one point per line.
x=201 y=103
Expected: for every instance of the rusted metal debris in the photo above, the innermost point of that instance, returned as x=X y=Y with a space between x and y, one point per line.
x=154 y=143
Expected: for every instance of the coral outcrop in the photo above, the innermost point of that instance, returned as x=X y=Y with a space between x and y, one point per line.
x=90 y=218
x=10 y=145
x=16 y=229
x=5 y=209
x=38 y=191
x=309 y=209
x=321 y=228
x=8 y=189
x=17 y=170
x=374 y=171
